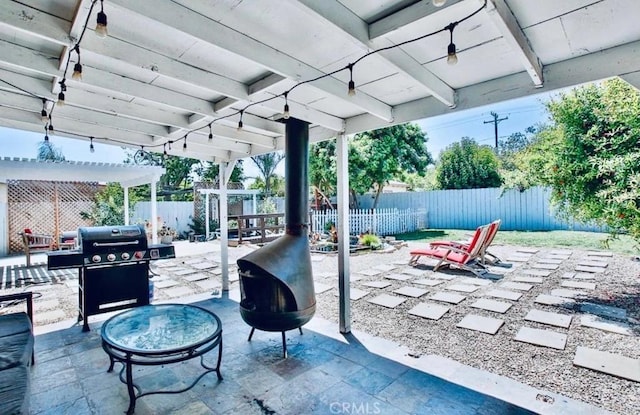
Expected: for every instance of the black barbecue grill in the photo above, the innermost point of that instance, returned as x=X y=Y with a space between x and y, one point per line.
x=113 y=268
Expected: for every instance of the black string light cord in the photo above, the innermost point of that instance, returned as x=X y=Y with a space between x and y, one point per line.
x=349 y=67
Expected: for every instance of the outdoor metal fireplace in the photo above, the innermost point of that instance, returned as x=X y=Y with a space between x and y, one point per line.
x=276 y=281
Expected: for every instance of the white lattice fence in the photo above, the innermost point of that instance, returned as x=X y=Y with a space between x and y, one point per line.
x=379 y=221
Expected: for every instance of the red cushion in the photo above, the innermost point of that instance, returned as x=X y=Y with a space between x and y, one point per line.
x=27 y=230
x=441 y=253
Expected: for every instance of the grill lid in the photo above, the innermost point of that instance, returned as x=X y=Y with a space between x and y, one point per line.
x=97 y=239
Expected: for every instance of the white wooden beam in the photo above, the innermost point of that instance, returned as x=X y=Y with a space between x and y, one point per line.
x=80 y=17
x=621 y=60
x=506 y=23
x=215 y=33
x=335 y=13
x=55 y=30
x=417 y=11
x=35 y=61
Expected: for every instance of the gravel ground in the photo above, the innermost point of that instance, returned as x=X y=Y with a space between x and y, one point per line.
x=540 y=367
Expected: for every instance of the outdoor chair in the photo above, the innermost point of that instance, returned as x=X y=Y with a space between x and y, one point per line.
x=35 y=242
x=462 y=256
x=485 y=255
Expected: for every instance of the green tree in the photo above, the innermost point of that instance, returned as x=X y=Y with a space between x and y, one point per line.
x=109 y=206
x=208 y=172
x=590 y=156
x=277 y=185
x=374 y=158
x=322 y=170
x=467 y=165
x=267 y=164
x=387 y=153
x=49 y=152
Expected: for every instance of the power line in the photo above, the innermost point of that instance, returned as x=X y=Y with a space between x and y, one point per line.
x=495 y=122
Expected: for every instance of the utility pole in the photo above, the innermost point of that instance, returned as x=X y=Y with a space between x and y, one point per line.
x=495 y=122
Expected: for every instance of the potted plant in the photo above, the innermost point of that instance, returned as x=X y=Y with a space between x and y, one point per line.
x=166 y=234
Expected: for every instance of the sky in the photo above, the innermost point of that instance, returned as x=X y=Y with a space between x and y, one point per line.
x=441 y=132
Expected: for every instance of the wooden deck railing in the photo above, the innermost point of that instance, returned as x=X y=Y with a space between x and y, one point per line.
x=260 y=228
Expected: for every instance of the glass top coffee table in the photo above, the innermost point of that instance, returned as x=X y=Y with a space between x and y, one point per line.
x=157 y=335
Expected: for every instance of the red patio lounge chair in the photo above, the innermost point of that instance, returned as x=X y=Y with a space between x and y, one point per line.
x=461 y=256
x=485 y=255
x=35 y=242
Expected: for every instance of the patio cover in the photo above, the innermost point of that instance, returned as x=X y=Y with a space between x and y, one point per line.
x=179 y=76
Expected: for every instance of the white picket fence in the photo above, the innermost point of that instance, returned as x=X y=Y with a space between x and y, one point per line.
x=382 y=222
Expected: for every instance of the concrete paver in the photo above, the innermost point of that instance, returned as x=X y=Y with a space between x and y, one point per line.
x=479 y=323
x=491 y=305
x=508 y=295
x=538 y=337
x=411 y=292
x=386 y=300
x=448 y=297
x=610 y=363
x=606 y=325
x=552 y=319
x=430 y=311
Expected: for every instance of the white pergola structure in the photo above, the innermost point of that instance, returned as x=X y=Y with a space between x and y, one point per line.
x=71 y=171
x=178 y=75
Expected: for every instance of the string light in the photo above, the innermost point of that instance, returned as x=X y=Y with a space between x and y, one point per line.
x=77 y=68
x=452 y=58
x=46 y=136
x=165 y=155
x=43 y=113
x=285 y=113
x=91 y=147
x=240 y=122
x=101 y=30
x=63 y=87
x=101 y=22
x=352 y=85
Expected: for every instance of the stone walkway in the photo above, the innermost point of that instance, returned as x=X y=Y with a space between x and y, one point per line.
x=441 y=293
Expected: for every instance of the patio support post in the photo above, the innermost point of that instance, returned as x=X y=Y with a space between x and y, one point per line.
x=206 y=216
x=154 y=212
x=343 y=234
x=126 y=205
x=224 y=226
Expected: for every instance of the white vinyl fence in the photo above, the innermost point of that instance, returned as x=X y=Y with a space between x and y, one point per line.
x=176 y=215
x=382 y=222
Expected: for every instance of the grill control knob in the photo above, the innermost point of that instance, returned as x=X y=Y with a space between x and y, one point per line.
x=125 y=255
x=111 y=257
x=96 y=258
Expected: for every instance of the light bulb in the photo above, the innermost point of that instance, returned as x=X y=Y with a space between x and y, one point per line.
x=46 y=137
x=77 y=72
x=101 y=25
x=438 y=3
x=210 y=137
x=184 y=146
x=60 y=102
x=452 y=58
x=285 y=114
x=240 y=125
x=50 y=127
x=92 y=148
x=44 y=115
x=352 y=89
